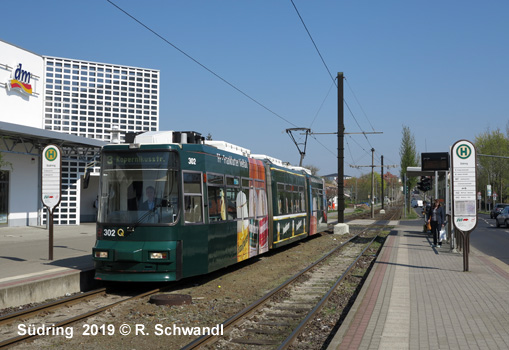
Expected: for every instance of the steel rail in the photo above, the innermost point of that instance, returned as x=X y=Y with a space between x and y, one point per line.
x=290 y=339
x=252 y=307
x=8 y=318
x=309 y=317
x=206 y=339
x=21 y=338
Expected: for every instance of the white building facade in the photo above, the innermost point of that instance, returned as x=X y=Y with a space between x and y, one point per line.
x=48 y=96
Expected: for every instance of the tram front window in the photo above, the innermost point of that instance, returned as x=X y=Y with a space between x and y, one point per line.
x=139 y=187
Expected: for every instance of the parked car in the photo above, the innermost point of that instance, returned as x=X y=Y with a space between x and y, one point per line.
x=497 y=209
x=503 y=217
x=416 y=203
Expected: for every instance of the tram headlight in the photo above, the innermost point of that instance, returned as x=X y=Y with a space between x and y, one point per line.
x=158 y=255
x=100 y=254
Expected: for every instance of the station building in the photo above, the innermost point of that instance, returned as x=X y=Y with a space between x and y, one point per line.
x=78 y=105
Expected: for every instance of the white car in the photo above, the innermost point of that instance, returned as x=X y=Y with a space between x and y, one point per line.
x=416 y=203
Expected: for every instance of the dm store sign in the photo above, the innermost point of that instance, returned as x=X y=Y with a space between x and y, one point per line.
x=20 y=81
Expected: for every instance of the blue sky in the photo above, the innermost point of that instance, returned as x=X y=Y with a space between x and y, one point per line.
x=439 y=67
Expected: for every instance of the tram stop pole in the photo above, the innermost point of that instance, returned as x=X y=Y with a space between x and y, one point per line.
x=50 y=248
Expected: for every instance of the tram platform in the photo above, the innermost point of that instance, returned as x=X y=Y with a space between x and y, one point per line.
x=419 y=297
x=27 y=275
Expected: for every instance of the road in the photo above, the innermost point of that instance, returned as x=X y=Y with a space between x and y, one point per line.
x=489 y=239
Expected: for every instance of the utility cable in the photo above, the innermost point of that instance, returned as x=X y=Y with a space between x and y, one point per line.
x=323 y=102
x=334 y=80
x=200 y=64
x=316 y=47
x=362 y=109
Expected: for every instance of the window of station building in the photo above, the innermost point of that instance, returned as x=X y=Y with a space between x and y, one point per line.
x=193 y=202
x=216 y=197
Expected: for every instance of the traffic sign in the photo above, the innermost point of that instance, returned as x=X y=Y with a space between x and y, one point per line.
x=464 y=176
x=51 y=179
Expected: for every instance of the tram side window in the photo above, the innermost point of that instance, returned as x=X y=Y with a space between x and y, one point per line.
x=247 y=197
x=235 y=199
x=281 y=199
x=316 y=201
x=302 y=199
x=193 y=197
x=320 y=200
x=216 y=198
x=289 y=199
x=261 y=200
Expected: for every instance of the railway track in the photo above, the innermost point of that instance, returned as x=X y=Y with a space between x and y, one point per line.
x=278 y=318
x=60 y=313
x=287 y=308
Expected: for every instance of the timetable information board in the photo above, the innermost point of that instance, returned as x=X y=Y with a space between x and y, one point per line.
x=464 y=185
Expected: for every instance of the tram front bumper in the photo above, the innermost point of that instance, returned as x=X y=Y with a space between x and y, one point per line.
x=136 y=261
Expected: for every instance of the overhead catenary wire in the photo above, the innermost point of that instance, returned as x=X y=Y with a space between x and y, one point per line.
x=333 y=79
x=200 y=64
x=312 y=40
x=356 y=99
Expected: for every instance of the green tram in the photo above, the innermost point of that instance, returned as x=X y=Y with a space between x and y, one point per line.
x=172 y=205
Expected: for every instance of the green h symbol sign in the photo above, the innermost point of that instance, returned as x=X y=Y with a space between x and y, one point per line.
x=51 y=154
x=463 y=151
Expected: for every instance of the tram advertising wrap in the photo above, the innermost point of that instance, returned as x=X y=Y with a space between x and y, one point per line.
x=171 y=210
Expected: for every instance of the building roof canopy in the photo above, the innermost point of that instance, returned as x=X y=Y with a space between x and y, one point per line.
x=41 y=137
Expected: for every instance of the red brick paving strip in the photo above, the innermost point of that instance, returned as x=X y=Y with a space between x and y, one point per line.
x=355 y=333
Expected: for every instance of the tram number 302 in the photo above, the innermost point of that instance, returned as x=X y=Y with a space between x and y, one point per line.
x=191 y=161
x=109 y=232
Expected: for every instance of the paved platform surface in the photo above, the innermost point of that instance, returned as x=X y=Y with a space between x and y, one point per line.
x=24 y=262
x=420 y=297
x=26 y=249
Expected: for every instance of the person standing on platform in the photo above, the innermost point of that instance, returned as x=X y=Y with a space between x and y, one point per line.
x=436 y=218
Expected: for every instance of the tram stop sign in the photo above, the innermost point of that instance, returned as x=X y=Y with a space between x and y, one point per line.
x=51 y=176
x=51 y=189
x=464 y=176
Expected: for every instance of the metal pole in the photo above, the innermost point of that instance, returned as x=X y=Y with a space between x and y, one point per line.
x=341 y=150
x=372 y=183
x=382 y=178
x=404 y=193
x=436 y=184
x=50 y=234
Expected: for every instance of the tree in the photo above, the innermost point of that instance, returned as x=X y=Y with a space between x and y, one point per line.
x=408 y=154
x=493 y=170
x=314 y=169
